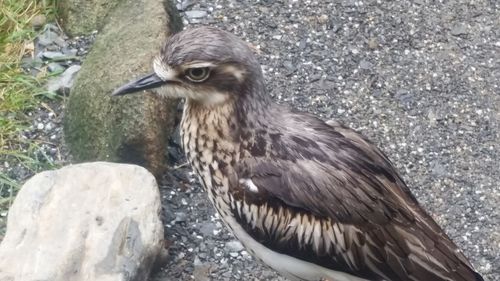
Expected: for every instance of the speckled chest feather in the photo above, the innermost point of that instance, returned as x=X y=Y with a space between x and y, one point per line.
x=205 y=136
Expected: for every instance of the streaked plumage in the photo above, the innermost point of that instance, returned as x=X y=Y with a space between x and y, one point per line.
x=312 y=200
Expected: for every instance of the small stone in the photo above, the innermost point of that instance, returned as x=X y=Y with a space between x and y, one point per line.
x=180 y=217
x=40 y=126
x=201 y=271
x=302 y=44
x=196 y=14
x=458 y=29
x=63 y=83
x=47 y=37
x=207 y=229
x=55 y=67
x=52 y=27
x=364 y=64
x=323 y=19
x=290 y=67
x=60 y=42
x=49 y=126
x=404 y=96
x=186 y=4
x=432 y=118
x=69 y=52
x=29 y=63
x=234 y=254
x=38 y=21
x=51 y=55
x=81 y=232
x=234 y=246
x=437 y=169
x=372 y=43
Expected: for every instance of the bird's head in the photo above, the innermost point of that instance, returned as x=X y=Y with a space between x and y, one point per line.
x=204 y=64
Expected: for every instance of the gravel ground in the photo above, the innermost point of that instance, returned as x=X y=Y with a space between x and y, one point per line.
x=420 y=78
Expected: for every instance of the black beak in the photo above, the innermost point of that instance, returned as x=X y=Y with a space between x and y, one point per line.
x=147 y=82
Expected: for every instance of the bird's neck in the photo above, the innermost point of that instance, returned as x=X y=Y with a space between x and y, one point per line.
x=211 y=133
x=250 y=110
x=212 y=122
x=206 y=134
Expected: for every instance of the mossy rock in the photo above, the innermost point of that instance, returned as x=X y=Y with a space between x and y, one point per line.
x=131 y=129
x=83 y=16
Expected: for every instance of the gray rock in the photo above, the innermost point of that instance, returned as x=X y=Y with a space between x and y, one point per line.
x=180 y=217
x=201 y=271
x=458 y=29
x=47 y=37
x=186 y=4
x=135 y=128
x=196 y=14
x=207 y=229
x=366 y=65
x=373 y=43
x=437 y=169
x=70 y=52
x=234 y=246
x=63 y=83
x=60 y=42
x=51 y=54
x=55 y=67
x=29 y=62
x=93 y=221
x=38 y=21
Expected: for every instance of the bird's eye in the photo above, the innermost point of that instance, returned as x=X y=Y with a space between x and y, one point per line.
x=198 y=74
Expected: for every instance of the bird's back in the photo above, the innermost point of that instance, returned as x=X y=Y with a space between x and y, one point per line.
x=358 y=215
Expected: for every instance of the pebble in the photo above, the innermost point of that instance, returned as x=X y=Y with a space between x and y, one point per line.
x=48 y=37
x=234 y=254
x=323 y=19
x=180 y=217
x=207 y=229
x=51 y=54
x=55 y=67
x=234 y=246
x=49 y=126
x=458 y=29
x=63 y=83
x=186 y=4
x=196 y=14
x=69 y=52
x=372 y=43
x=38 y=21
x=364 y=64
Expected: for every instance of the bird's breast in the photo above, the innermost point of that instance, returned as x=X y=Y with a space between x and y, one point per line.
x=209 y=151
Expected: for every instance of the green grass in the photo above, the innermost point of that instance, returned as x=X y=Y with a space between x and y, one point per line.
x=20 y=93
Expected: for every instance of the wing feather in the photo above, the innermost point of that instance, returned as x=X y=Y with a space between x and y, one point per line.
x=335 y=176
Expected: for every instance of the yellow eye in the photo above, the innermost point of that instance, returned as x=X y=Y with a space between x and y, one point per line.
x=198 y=74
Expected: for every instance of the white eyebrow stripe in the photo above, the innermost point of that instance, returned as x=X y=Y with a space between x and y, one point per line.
x=163 y=71
x=198 y=64
x=237 y=72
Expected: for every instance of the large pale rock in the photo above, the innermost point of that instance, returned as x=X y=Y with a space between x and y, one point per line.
x=131 y=129
x=93 y=221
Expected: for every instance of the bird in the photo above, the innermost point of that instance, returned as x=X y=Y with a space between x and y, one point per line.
x=313 y=200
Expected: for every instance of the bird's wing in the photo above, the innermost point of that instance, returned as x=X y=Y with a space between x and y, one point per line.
x=356 y=211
